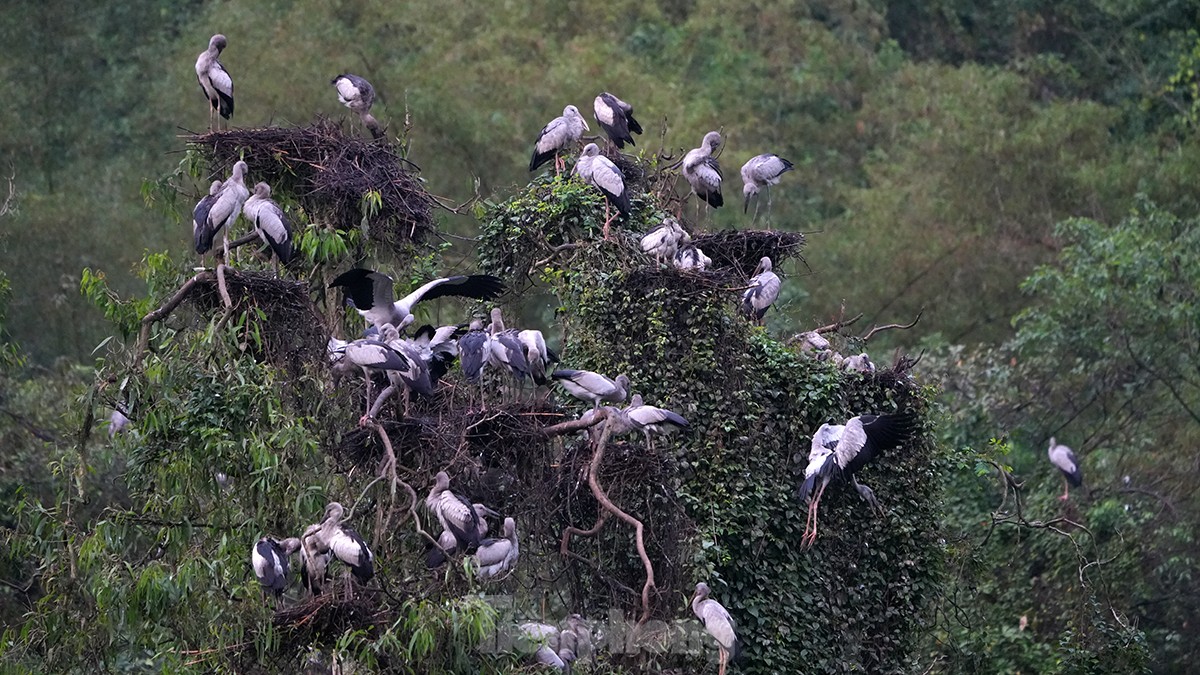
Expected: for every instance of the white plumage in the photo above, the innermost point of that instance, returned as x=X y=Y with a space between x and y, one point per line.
x=692 y=258
x=271 y=223
x=764 y=289
x=1064 y=459
x=703 y=172
x=718 y=623
x=761 y=171
x=616 y=118
x=215 y=82
x=586 y=385
x=496 y=556
x=357 y=94
x=559 y=133
x=225 y=208
x=663 y=240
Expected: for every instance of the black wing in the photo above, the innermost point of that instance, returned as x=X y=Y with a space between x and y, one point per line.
x=871 y=435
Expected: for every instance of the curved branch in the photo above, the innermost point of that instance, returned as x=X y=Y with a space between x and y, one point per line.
x=164 y=311
x=890 y=326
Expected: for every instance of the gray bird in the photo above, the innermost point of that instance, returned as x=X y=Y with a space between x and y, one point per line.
x=358 y=95
x=599 y=171
x=763 y=290
x=341 y=543
x=505 y=351
x=375 y=355
x=843 y=450
x=616 y=118
x=373 y=295
x=652 y=421
x=718 y=623
x=215 y=82
x=1064 y=458
x=271 y=223
x=448 y=544
x=762 y=171
x=663 y=240
x=455 y=513
x=692 y=258
x=269 y=558
x=858 y=362
x=473 y=348
x=556 y=136
x=202 y=234
x=224 y=210
x=314 y=563
x=537 y=355
x=497 y=556
x=812 y=341
x=703 y=172
x=592 y=387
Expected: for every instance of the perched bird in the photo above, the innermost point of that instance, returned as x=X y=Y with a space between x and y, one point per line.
x=601 y=172
x=342 y=543
x=415 y=376
x=592 y=387
x=764 y=289
x=1064 y=458
x=375 y=355
x=505 y=351
x=117 y=423
x=556 y=136
x=812 y=341
x=652 y=421
x=201 y=233
x=314 y=561
x=270 y=562
x=448 y=543
x=692 y=258
x=358 y=95
x=496 y=556
x=858 y=362
x=473 y=349
x=439 y=348
x=718 y=623
x=373 y=296
x=616 y=118
x=215 y=82
x=842 y=450
x=223 y=211
x=537 y=355
x=663 y=240
x=271 y=223
x=456 y=513
x=702 y=172
x=762 y=171
x=551 y=646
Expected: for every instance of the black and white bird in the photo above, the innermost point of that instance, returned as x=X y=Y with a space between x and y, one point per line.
x=215 y=82
x=763 y=290
x=1064 y=459
x=690 y=257
x=439 y=348
x=342 y=543
x=455 y=513
x=448 y=544
x=223 y=211
x=376 y=356
x=651 y=420
x=663 y=240
x=843 y=450
x=616 y=118
x=373 y=296
x=270 y=562
x=702 y=171
x=538 y=356
x=271 y=223
x=858 y=363
x=718 y=623
x=202 y=234
x=314 y=560
x=594 y=388
x=414 y=376
x=497 y=556
x=473 y=349
x=558 y=135
x=762 y=171
x=551 y=646
x=602 y=173
x=812 y=341
x=505 y=351
x=358 y=95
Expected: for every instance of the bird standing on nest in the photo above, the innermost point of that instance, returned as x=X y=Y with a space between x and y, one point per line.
x=556 y=136
x=271 y=223
x=702 y=171
x=215 y=82
x=358 y=95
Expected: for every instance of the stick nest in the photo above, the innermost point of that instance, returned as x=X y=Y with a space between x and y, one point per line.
x=738 y=251
x=330 y=173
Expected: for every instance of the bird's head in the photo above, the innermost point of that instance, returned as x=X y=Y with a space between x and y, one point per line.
x=748 y=191
x=334 y=512
x=510 y=528
x=712 y=140
x=262 y=191
x=702 y=591
x=290 y=545
x=591 y=150
x=441 y=481
x=217 y=42
x=239 y=170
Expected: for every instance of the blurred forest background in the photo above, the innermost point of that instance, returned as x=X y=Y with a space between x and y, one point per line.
x=1023 y=172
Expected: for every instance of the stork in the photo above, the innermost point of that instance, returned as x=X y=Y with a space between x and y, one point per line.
x=718 y=623
x=663 y=240
x=456 y=513
x=843 y=450
x=342 y=543
x=763 y=290
x=762 y=171
x=373 y=296
x=616 y=118
x=1064 y=458
x=702 y=171
x=447 y=543
x=202 y=234
x=375 y=355
x=415 y=376
x=269 y=558
x=271 y=223
x=692 y=258
x=586 y=385
x=505 y=350
x=599 y=171
x=652 y=421
x=223 y=211
x=314 y=562
x=559 y=133
x=358 y=95
x=215 y=82
x=497 y=556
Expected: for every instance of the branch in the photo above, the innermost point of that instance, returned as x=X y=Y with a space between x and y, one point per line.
x=34 y=430
x=838 y=325
x=890 y=326
x=7 y=207
x=163 y=312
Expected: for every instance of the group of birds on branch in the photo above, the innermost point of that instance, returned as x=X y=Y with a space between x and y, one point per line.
x=319 y=545
x=218 y=211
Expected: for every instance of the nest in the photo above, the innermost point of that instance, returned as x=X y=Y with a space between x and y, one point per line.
x=330 y=173
x=740 y=250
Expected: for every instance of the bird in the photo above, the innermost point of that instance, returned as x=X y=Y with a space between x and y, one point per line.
x=373 y=297
x=592 y=387
x=271 y=223
x=472 y=351
x=763 y=290
x=448 y=544
x=692 y=258
x=718 y=623
x=269 y=558
x=415 y=376
x=703 y=172
x=343 y=544
x=663 y=240
x=358 y=95
x=616 y=118
x=812 y=341
x=117 y=423
x=455 y=513
x=537 y=354
x=376 y=355
x=497 y=556
x=215 y=82
x=762 y=171
x=556 y=136
x=551 y=646
x=601 y=172
x=439 y=348
x=1064 y=458
x=858 y=362
x=314 y=563
x=201 y=233
x=843 y=450
x=224 y=210
x=651 y=420
x=505 y=351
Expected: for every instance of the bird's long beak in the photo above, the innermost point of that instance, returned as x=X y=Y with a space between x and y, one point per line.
x=745 y=205
x=490 y=512
x=585 y=124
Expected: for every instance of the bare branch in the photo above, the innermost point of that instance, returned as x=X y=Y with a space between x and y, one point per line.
x=838 y=325
x=890 y=326
x=164 y=311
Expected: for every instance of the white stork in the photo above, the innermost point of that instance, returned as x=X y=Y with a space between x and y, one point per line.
x=215 y=82
x=269 y=558
x=1064 y=458
x=223 y=211
x=652 y=421
x=663 y=240
x=599 y=171
x=718 y=623
x=692 y=258
x=456 y=513
x=202 y=235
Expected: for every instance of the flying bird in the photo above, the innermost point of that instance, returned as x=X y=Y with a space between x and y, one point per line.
x=373 y=296
x=273 y=226
x=843 y=450
x=1064 y=458
x=718 y=623
x=358 y=95
x=269 y=558
x=215 y=82
x=592 y=387
x=616 y=118
x=762 y=171
x=763 y=290
x=703 y=172
x=561 y=132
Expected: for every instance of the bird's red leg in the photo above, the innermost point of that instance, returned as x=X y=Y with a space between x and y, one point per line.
x=722 y=659
x=607 y=219
x=1066 y=491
